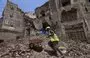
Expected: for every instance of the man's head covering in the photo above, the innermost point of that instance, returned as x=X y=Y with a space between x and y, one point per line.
x=48 y=28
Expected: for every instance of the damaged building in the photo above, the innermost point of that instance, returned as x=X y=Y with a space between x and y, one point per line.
x=30 y=28
x=68 y=18
x=43 y=14
x=12 y=23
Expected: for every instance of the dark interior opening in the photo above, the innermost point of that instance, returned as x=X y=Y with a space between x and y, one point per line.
x=89 y=0
x=42 y=13
x=12 y=8
x=37 y=17
x=68 y=16
x=12 y=26
x=50 y=18
x=28 y=29
x=45 y=24
x=11 y=16
x=32 y=25
x=86 y=9
x=65 y=2
x=1 y=41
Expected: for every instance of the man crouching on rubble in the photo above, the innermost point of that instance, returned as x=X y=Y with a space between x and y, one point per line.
x=54 y=40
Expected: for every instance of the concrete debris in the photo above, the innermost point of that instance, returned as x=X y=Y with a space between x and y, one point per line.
x=11 y=50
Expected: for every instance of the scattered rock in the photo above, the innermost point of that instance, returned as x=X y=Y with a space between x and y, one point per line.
x=10 y=49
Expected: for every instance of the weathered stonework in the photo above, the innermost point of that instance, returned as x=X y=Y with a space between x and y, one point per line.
x=30 y=24
x=68 y=18
x=12 y=17
x=13 y=21
x=43 y=13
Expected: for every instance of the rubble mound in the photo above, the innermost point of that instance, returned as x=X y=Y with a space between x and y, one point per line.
x=18 y=49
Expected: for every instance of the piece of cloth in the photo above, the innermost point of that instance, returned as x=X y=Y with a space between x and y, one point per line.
x=43 y=31
x=54 y=38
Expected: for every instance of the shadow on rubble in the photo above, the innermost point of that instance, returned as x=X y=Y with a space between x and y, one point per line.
x=36 y=48
x=51 y=53
x=35 y=45
x=1 y=41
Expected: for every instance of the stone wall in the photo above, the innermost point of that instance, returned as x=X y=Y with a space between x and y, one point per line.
x=31 y=24
x=43 y=15
x=12 y=22
x=13 y=17
x=7 y=36
x=64 y=13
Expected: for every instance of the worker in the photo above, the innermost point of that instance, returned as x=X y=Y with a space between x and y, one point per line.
x=54 y=40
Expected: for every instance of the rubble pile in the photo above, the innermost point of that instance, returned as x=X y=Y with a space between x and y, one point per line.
x=78 y=49
x=18 y=49
x=12 y=50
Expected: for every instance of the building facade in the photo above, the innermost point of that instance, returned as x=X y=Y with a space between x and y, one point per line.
x=72 y=18
x=12 y=17
x=13 y=21
x=68 y=18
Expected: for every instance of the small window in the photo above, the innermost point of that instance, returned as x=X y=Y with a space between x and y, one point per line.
x=50 y=18
x=65 y=2
x=11 y=16
x=12 y=8
x=37 y=16
x=42 y=13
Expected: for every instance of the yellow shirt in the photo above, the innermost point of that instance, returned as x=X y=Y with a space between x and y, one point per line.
x=54 y=38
